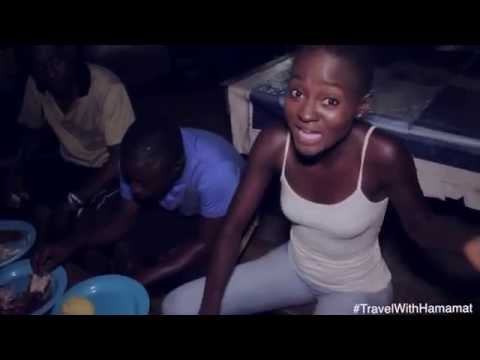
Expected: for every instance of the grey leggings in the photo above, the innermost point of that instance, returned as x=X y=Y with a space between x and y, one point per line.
x=270 y=283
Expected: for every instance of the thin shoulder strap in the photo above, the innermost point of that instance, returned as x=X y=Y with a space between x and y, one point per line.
x=287 y=145
x=364 y=152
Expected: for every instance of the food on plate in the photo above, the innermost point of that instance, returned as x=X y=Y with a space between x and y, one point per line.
x=39 y=284
x=78 y=306
x=28 y=301
x=6 y=252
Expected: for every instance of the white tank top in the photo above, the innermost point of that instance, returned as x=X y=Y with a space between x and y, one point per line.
x=336 y=246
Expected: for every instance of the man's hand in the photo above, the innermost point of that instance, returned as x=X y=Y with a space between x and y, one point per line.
x=145 y=276
x=102 y=176
x=182 y=257
x=49 y=257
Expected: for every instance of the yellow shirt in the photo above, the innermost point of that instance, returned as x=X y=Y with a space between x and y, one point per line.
x=96 y=120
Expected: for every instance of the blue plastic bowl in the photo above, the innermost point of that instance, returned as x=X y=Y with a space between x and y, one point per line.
x=110 y=295
x=17 y=275
x=24 y=244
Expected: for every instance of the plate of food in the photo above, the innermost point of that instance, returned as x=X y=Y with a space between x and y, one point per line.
x=16 y=239
x=25 y=293
x=105 y=295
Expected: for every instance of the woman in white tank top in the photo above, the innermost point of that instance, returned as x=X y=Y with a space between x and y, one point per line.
x=337 y=177
x=335 y=246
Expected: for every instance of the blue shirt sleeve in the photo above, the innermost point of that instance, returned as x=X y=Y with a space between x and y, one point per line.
x=217 y=188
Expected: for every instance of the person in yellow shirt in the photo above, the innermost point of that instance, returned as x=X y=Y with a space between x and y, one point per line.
x=89 y=111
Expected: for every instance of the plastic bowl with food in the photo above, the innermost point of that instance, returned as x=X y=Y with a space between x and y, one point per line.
x=105 y=295
x=16 y=239
x=16 y=297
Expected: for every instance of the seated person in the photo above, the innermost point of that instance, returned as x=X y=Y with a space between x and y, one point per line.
x=89 y=111
x=337 y=177
x=185 y=171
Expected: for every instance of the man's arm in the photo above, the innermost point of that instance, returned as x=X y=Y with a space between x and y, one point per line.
x=184 y=256
x=106 y=234
x=51 y=256
x=101 y=177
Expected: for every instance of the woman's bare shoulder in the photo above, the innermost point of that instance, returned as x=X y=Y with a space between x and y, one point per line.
x=270 y=144
x=389 y=157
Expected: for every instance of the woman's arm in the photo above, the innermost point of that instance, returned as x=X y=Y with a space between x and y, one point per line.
x=265 y=159
x=429 y=230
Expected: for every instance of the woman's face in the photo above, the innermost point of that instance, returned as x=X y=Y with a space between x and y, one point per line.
x=322 y=102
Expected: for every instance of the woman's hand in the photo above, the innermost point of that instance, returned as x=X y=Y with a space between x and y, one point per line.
x=471 y=250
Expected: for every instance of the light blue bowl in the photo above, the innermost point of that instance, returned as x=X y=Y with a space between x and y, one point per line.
x=16 y=276
x=24 y=244
x=110 y=295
